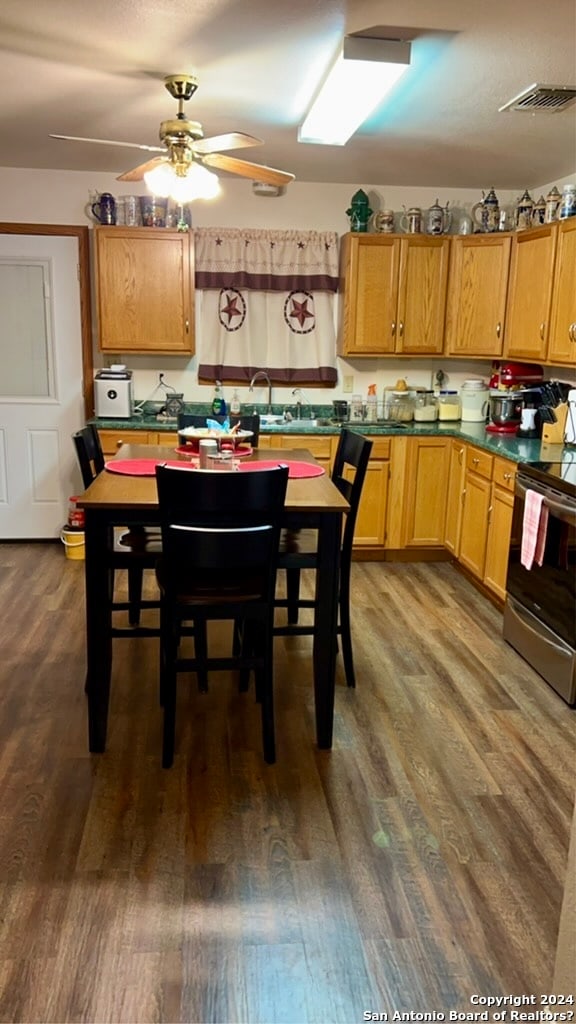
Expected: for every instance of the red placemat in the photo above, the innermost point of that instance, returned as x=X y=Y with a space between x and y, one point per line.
x=295 y=469
x=144 y=467
x=242 y=451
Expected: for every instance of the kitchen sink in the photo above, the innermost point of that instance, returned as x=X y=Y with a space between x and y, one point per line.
x=270 y=420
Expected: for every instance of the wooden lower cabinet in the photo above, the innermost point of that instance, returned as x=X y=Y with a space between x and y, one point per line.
x=427 y=474
x=454 y=496
x=371 y=522
x=475 y=507
x=322 y=446
x=499 y=526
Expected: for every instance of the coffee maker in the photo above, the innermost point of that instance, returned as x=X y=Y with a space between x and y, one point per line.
x=514 y=387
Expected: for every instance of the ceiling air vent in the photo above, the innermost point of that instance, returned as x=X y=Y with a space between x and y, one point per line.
x=548 y=99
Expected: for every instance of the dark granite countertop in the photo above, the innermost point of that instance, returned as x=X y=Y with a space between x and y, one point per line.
x=508 y=446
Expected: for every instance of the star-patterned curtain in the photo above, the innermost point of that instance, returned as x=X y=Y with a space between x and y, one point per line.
x=266 y=301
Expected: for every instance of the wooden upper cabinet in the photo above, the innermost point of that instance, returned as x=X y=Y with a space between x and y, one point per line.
x=530 y=294
x=144 y=279
x=393 y=294
x=369 y=266
x=562 y=341
x=422 y=291
x=476 y=306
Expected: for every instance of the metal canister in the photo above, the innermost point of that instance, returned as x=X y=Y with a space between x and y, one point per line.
x=206 y=449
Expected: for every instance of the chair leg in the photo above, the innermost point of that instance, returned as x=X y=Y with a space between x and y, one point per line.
x=292 y=594
x=265 y=687
x=135 y=579
x=201 y=651
x=169 y=647
x=344 y=609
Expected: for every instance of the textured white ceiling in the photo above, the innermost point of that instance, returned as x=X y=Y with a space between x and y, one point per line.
x=96 y=69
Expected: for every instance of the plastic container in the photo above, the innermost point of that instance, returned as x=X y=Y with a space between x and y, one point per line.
x=448 y=405
x=474 y=397
x=218 y=403
x=73 y=541
x=235 y=403
x=75 y=514
x=425 y=407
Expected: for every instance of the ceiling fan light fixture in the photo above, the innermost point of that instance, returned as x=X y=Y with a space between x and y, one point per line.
x=365 y=70
x=196 y=183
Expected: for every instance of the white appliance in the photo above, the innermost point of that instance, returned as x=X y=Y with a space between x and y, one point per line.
x=113 y=393
x=570 y=428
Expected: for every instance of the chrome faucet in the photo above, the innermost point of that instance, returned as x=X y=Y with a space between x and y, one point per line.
x=262 y=373
x=300 y=398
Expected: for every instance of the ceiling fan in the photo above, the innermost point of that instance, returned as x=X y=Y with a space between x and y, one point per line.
x=187 y=154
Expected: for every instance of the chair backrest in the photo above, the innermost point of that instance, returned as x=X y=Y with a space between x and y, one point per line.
x=353 y=450
x=89 y=453
x=224 y=525
x=190 y=419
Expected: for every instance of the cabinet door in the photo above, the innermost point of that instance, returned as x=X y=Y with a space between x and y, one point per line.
x=498 y=542
x=425 y=493
x=320 y=446
x=473 y=536
x=454 y=498
x=422 y=295
x=530 y=294
x=562 y=345
x=144 y=286
x=369 y=294
x=477 y=295
x=371 y=521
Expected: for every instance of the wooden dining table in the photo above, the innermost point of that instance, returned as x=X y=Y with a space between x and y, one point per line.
x=116 y=499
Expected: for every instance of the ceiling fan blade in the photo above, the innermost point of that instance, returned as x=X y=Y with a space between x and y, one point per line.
x=233 y=140
x=137 y=173
x=110 y=142
x=257 y=172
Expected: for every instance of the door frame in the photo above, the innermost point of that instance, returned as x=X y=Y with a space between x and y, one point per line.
x=83 y=239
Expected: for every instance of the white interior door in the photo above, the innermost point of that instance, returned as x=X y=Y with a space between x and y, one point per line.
x=40 y=383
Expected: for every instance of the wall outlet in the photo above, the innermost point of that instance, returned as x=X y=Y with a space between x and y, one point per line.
x=348 y=385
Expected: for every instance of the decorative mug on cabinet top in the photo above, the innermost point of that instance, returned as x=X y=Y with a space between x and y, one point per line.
x=153 y=211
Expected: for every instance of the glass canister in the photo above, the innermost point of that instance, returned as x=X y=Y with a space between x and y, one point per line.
x=448 y=405
x=474 y=396
x=567 y=206
x=400 y=407
x=425 y=407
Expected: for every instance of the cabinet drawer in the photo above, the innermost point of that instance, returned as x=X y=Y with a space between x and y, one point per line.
x=319 y=446
x=478 y=461
x=380 y=447
x=112 y=439
x=504 y=473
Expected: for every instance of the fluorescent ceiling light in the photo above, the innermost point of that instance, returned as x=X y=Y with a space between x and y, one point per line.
x=364 y=71
x=195 y=183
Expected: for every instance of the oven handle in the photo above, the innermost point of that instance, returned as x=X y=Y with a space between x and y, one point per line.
x=564 y=512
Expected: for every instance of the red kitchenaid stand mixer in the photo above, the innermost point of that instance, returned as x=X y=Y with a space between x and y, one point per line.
x=510 y=388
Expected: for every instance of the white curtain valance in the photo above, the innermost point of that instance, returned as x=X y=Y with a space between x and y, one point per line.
x=266 y=301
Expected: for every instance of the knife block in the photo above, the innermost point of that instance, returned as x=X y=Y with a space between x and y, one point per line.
x=553 y=433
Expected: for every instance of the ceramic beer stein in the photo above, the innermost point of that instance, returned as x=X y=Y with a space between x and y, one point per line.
x=487 y=213
x=523 y=212
x=411 y=220
x=438 y=219
x=552 y=204
x=104 y=210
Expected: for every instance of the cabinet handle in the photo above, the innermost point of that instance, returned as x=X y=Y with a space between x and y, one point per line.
x=463 y=496
x=460 y=454
x=393 y=328
x=119 y=444
x=475 y=461
x=542 y=329
x=490 y=508
x=498 y=329
x=572 y=332
x=187 y=325
x=507 y=476
x=401 y=328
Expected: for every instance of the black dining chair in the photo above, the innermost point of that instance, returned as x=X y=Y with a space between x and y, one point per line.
x=298 y=548
x=133 y=549
x=248 y=422
x=220 y=538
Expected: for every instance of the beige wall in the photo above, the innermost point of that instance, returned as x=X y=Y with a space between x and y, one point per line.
x=62 y=197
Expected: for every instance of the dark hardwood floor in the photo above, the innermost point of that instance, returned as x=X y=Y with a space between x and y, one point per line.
x=420 y=862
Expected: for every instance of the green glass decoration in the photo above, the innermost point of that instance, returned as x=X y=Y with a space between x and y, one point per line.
x=359 y=211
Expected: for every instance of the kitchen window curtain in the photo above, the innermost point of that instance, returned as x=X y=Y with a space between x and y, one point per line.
x=266 y=301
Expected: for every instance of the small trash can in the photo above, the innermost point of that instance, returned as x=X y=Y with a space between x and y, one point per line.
x=73 y=541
